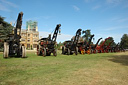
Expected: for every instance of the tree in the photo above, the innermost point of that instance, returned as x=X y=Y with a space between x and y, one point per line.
x=87 y=35
x=5 y=29
x=124 y=41
x=59 y=45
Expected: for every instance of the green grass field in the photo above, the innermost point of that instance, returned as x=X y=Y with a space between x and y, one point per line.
x=93 y=69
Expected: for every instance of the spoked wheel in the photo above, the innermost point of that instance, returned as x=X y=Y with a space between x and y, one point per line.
x=68 y=51
x=6 y=50
x=23 y=52
x=91 y=51
x=44 y=52
x=38 y=50
x=76 y=50
x=55 y=52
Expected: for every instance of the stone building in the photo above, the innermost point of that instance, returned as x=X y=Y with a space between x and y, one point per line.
x=30 y=36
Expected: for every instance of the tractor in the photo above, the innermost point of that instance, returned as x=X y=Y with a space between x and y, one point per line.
x=47 y=45
x=12 y=46
x=70 y=46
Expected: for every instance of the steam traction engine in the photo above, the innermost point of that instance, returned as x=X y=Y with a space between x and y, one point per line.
x=47 y=46
x=12 y=45
x=70 y=47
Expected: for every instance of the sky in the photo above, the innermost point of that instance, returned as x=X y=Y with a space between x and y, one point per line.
x=105 y=18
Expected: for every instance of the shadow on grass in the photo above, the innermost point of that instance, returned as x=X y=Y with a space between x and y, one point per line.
x=14 y=56
x=122 y=59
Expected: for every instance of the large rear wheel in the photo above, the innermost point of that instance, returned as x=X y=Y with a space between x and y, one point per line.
x=23 y=52
x=6 y=50
x=55 y=52
x=68 y=51
x=76 y=50
x=44 y=52
x=38 y=50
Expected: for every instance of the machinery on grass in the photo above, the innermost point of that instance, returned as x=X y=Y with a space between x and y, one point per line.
x=70 y=46
x=94 y=47
x=108 y=48
x=115 y=48
x=12 y=45
x=87 y=47
x=84 y=47
x=101 y=48
x=47 y=46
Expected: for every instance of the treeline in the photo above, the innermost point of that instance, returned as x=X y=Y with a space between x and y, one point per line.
x=5 y=29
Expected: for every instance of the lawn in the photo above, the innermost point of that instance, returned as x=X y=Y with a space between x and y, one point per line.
x=93 y=69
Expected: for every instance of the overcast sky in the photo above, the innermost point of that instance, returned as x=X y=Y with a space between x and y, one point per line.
x=103 y=17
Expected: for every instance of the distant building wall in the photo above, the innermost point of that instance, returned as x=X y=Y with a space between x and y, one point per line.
x=30 y=36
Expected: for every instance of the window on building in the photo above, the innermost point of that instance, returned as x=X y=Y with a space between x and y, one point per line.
x=34 y=40
x=28 y=45
x=23 y=34
x=28 y=35
x=34 y=45
x=35 y=35
x=28 y=40
x=22 y=39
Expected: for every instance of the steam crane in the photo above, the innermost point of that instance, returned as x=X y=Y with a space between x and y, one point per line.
x=108 y=48
x=46 y=46
x=87 y=46
x=100 y=48
x=116 y=48
x=70 y=46
x=94 y=47
x=12 y=45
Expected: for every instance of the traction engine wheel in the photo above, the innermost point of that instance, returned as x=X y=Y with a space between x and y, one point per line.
x=6 y=50
x=23 y=52
x=44 y=52
x=55 y=52
x=63 y=50
x=38 y=50
x=68 y=51
x=76 y=50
